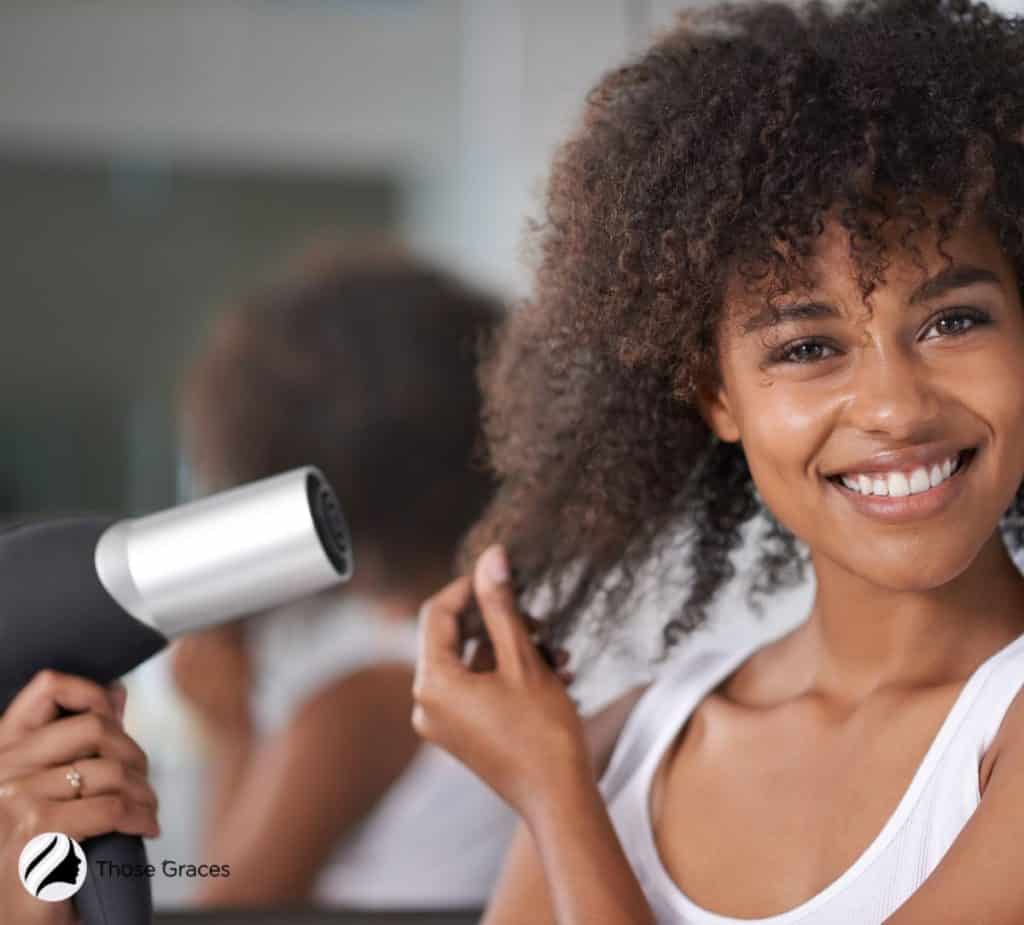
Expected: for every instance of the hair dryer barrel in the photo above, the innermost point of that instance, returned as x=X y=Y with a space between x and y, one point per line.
x=236 y=552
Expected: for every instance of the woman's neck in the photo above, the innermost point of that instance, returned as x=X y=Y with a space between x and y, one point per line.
x=861 y=637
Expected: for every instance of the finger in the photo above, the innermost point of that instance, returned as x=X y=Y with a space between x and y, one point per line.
x=119 y=697
x=479 y=655
x=82 y=819
x=65 y=740
x=473 y=625
x=96 y=776
x=439 y=637
x=40 y=701
x=502 y=617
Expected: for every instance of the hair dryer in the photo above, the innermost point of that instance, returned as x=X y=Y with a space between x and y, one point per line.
x=96 y=597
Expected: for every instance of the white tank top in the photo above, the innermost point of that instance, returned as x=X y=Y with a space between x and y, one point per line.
x=942 y=795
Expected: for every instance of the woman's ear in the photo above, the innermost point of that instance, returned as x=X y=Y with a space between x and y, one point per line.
x=716 y=409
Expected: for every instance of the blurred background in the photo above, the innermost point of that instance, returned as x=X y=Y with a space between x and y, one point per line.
x=155 y=157
x=158 y=158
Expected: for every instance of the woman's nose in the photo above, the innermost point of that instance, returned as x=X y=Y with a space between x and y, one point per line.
x=891 y=393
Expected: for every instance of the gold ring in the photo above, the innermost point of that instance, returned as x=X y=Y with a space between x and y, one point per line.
x=74 y=778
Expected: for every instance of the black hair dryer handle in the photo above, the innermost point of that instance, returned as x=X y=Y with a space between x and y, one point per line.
x=116 y=890
x=56 y=614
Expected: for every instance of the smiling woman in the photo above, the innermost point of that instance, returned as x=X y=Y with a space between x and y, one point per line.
x=781 y=274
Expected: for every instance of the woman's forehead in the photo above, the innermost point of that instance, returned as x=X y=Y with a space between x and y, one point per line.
x=832 y=270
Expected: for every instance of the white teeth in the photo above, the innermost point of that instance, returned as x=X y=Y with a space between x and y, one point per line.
x=899 y=487
x=901 y=484
x=919 y=480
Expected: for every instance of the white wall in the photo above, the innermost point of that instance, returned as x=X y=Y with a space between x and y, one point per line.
x=298 y=83
x=528 y=67
x=465 y=98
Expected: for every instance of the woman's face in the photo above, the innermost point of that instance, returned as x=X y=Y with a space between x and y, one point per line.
x=936 y=369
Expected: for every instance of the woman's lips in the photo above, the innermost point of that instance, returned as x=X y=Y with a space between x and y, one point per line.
x=891 y=509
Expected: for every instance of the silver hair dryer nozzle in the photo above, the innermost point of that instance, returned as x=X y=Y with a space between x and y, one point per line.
x=233 y=553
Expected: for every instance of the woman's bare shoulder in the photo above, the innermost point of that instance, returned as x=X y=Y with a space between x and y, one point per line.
x=762 y=678
x=604 y=725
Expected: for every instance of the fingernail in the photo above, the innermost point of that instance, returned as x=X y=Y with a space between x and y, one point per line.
x=495 y=565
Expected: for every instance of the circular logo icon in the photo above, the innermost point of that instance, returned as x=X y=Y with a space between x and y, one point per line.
x=52 y=867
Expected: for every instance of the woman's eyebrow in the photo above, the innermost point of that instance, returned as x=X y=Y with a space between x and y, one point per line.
x=955 y=277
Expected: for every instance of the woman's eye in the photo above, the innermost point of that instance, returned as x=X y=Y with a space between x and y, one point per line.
x=959 y=321
x=807 y=351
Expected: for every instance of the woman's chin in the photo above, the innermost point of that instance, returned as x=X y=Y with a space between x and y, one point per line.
x=910 y=569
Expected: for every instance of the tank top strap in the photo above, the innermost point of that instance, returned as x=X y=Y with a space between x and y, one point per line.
x=664 y=707
x=1003 y=680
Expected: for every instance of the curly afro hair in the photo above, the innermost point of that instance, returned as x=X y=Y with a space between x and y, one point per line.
x=716 y=152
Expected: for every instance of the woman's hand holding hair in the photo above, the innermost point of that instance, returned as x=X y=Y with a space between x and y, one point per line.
x=517 y=729
x=514 y=726
x=38 y=748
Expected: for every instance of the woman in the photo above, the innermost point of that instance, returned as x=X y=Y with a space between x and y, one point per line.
x=80 y=775
x=361 y=362
x=781 y=275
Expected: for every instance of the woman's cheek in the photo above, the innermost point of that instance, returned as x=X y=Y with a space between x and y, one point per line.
x=780 y=445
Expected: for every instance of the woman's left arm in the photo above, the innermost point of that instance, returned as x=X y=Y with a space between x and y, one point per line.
x=213 y=672
x=516 y=728
x=307 y=786
x=981 y=877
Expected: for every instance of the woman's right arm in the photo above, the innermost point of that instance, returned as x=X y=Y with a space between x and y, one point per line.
x=37 y=749
x=523 y=884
